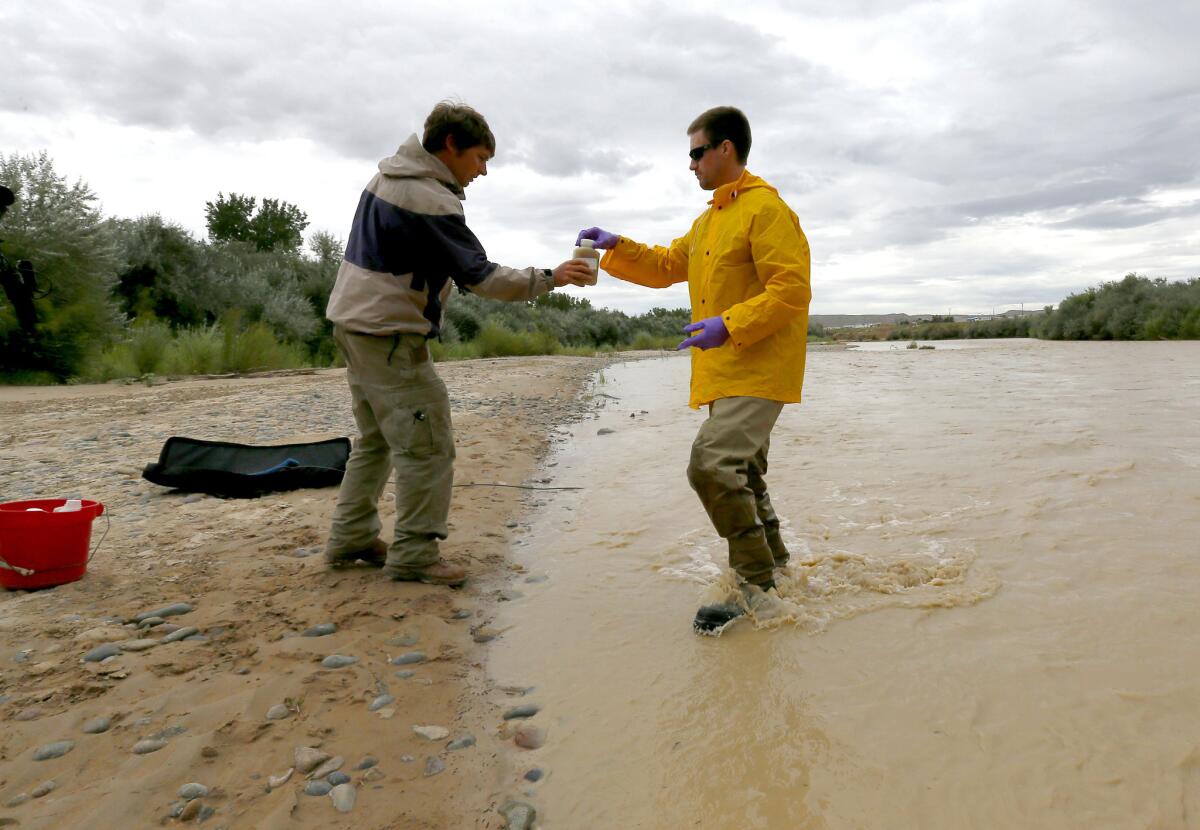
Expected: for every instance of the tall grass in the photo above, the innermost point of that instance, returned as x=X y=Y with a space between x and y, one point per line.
x=151 y=349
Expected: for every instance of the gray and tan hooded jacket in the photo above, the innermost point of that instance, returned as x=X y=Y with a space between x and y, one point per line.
x=410 y=245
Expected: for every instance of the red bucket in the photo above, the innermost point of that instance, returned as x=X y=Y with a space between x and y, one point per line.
x=38 y=549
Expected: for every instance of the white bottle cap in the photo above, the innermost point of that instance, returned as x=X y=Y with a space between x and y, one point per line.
x=587 y=243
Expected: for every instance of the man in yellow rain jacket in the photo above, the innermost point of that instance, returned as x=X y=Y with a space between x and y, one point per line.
x=746 y=262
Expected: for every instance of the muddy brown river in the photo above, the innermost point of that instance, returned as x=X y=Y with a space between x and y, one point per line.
x=990 y=619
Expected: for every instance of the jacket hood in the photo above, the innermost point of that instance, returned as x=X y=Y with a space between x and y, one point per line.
x=726 y=193
x=412 y=161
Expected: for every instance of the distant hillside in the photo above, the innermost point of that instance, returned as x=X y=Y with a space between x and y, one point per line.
x=839 y=321
x=842 y=321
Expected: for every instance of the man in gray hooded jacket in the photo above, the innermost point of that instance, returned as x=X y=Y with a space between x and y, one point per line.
x=408 y=248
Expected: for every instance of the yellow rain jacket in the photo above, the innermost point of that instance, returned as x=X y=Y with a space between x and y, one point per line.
x=746 y=259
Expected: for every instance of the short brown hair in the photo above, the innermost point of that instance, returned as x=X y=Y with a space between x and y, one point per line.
x=468 y=127
x=721 y=123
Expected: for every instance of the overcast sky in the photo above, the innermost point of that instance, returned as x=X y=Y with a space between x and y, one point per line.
x=941 y=156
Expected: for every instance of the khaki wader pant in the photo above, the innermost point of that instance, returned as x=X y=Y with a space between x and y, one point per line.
x=403 y=416
x=729 y=460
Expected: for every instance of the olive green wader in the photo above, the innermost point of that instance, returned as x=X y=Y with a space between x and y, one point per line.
x=403 y=416
x=728 y=462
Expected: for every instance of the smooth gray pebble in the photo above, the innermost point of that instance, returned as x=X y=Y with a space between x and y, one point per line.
x=527 y=710
x=97 y=725
x=54 y=750
x=102 y=652
x=318 y=787
x=461 y=743
x=181 y=634
x=381 y=701
x=409 y=658
x=338 y=661
x=192 y=791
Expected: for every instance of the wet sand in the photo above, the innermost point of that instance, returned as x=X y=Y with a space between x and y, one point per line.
x=253 y=573
x=989 y=619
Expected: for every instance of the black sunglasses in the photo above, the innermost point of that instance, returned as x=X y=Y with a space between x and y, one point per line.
x=697 y=153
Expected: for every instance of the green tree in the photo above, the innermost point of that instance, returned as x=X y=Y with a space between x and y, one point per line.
x=161 y=267
x=275 y=226
x=56 y=226
x=228 y=219
x=278 y=226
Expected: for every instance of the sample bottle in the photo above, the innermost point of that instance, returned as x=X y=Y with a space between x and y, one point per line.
x=588 y=253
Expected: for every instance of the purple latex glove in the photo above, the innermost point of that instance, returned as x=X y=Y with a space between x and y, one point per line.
x=601 y=237
x=712 y=334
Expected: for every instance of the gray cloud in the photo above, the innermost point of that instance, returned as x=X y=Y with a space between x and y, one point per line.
x=890 y=126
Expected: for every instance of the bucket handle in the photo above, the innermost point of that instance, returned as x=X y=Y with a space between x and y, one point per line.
x=30 y=571
x=107 y=527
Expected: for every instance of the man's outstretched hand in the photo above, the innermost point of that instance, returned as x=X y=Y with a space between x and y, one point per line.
x=601 y=237
x=712 y=333
x=573 y=272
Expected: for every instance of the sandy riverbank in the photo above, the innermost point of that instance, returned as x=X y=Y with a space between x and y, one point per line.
x=253 y=573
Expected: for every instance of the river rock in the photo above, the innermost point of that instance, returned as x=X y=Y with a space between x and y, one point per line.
x=367 y=763
x=433 y=733
x=181 y=634
x=191 y=810
x=343 y=796
x=25 y=715
x=332 y=765
x=518 y=815
x=529 y=736
x=192 y=791
x=373 y=774
x=138 y=645
x=169 y=732
x=279 y=780
x=308 y=759
x=148 y=745
x=527 y=710
x=381 y=701
x=336 y=778
x=605 y=431
x=173 y=610
x=338 y=661
x=17 y=800
x=461 y=743
x=151 y=622
x=409 y=658
x=102 y=652
x=404 y=674
x=317 y=788
x=535 y=774
x=434 y=765
x=97 y=725
x=55 y=750
x=322 y=630
x=278 y=712
x=403 y=641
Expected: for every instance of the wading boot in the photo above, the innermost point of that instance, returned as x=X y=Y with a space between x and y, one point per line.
x=440 y=572
x=712 y=619
x=373 y=555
